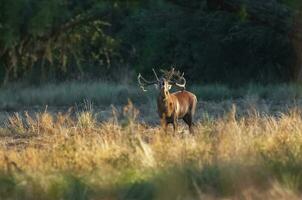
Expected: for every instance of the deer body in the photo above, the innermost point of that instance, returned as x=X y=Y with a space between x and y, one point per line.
x=178 y=105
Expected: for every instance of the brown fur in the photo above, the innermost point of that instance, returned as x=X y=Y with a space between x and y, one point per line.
x=174 y=106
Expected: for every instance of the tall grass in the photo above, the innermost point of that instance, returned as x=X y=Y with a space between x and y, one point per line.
x=78 y=157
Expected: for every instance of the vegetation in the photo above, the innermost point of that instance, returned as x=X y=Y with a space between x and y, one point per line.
x=242 y=59
x=48 y=38
x=105 y=94
x=65 y=157
x=224 y=41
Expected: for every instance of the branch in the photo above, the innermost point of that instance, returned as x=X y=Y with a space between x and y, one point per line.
x=76 y=21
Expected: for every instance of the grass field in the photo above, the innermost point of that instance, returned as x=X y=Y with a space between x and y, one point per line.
x=105 y=94
x=247 y=145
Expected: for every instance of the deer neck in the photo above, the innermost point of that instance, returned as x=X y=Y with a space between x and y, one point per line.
x=164 y=95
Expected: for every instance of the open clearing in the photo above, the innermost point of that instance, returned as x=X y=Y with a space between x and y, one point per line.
x=243 y=148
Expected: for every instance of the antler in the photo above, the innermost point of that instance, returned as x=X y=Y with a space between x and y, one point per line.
x=168 y=74
x=175 y=78
x=181 y=81
x=155 y=74
x=143 y=82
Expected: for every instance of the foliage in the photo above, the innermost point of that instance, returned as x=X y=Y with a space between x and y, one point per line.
x=51 y=36
x=218 y=46
x=244 y=41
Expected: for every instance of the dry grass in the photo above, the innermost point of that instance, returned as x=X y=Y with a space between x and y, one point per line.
x=79 y=157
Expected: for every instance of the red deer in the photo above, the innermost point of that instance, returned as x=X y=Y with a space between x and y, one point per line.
x=172 y=106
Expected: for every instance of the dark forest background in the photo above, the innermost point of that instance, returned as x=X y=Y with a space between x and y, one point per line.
x=213 y=41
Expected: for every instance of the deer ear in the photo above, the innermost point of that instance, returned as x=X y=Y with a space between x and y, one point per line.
x=169 y=87
x=156 y=86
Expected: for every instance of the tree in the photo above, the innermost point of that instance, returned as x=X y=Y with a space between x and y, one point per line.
x=46 y=33
x=284 y=16
x=230 y=41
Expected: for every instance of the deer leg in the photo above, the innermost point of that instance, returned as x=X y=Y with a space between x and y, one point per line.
x=164 y=124
x=188 y=119
x=175 y=125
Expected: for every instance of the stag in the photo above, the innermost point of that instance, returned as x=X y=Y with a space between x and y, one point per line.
x=172 y=106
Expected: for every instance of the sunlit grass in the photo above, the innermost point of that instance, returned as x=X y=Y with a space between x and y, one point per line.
x=78 y=157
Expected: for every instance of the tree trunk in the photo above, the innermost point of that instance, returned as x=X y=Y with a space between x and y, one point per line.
x=296 y=40
x=6 y=78
x=5 y=61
